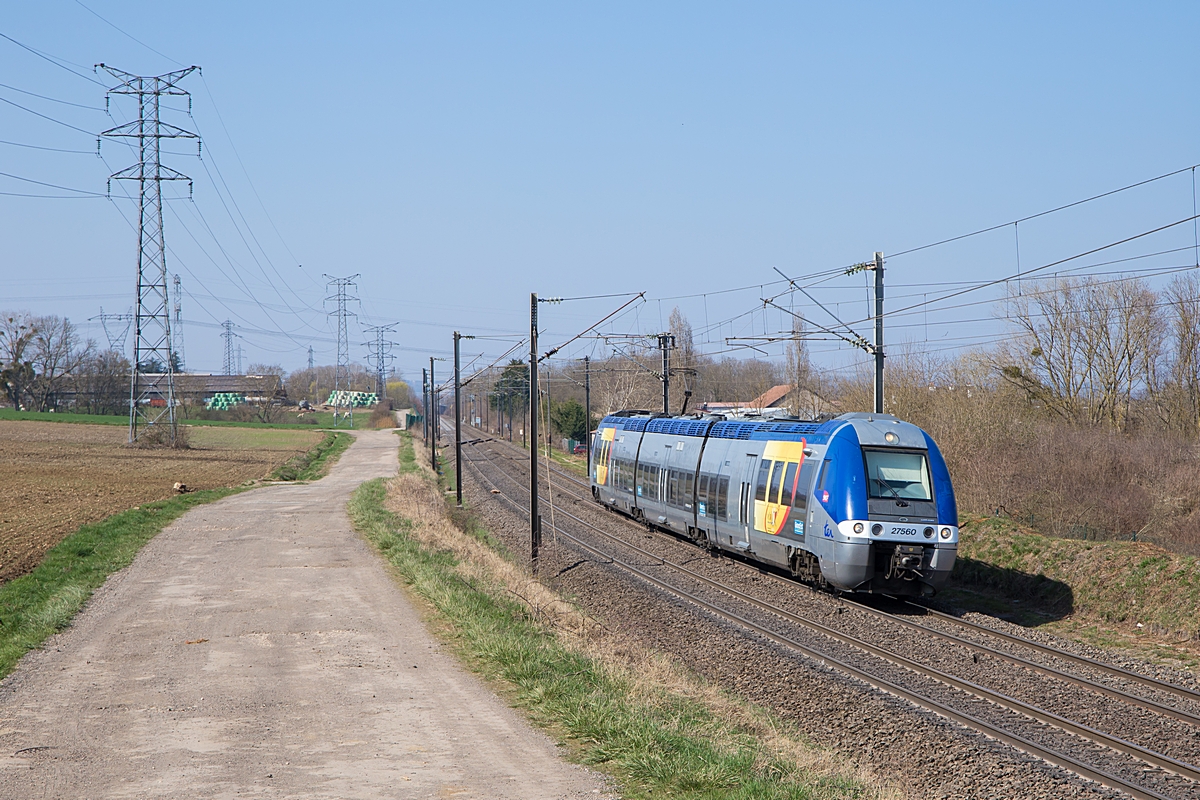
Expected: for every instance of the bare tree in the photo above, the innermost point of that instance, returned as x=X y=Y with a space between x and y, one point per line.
x=102 y=383
x=1053 y=357
x=16 y=366
x=1181 y=393
x=57 y=353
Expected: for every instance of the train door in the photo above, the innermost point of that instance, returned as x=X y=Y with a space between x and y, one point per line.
x=746 y=501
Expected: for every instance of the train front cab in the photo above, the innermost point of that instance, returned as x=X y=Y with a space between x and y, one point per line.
x=885 y=519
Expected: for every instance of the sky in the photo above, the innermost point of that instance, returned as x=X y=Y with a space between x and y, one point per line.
x=456 y=157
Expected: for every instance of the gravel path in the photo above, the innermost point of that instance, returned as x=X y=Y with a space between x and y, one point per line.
x=257 y=647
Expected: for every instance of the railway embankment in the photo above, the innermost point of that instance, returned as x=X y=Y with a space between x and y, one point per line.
x=633 y=712
x=1127 y=594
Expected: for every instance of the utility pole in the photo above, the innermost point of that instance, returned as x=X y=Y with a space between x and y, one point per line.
x=239 y=359
x=228 y=336
x=433 y=419
x=341 y=374
x=425 y=400
x=152 y=325
x=382 y=357
x=458 y=421
x=587 y=411
x=665 y=342
x=535 y=519
x=177 y=329
x=878 y=333
x=310 y=357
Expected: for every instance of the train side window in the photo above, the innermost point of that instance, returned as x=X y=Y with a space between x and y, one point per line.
x=776 y=479
x=689 y=487
x=800 y=498
x=702 y=493
x=722 y=500
x=826 y=468
x=789 y=484
x=760 y=491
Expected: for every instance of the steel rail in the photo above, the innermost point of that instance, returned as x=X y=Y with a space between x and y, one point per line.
x=1181 y=692
x=1051 y=756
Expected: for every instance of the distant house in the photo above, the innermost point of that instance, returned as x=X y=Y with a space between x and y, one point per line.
x=783 y=397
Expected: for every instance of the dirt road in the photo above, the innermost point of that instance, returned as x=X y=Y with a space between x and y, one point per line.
x=257 y=648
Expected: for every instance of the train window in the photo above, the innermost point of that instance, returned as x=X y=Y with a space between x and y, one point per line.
x=673 y=488
x=789 y=484
x=760 y=492
x=800 y=498
x=689 y=487
x=722 y=496
x=776 y=479
x=904 y=476
x=824 y=475
x=702 y=490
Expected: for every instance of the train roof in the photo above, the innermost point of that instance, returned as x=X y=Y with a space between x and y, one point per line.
x=872 y=429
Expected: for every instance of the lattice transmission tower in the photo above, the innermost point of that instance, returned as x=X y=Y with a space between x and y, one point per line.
x=116 y=336
x=341 y=374
x=177 y=324
x=152 y=380
x=228 y=336
x=381 y=357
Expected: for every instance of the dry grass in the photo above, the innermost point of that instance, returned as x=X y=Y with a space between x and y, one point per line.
x=652 y=676
x=1130 y=588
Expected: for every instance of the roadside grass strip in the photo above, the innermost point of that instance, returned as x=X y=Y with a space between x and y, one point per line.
x=35 y=606
x=656 y=729
x=314 y=463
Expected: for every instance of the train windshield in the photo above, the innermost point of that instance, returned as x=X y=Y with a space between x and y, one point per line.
x=899 y=475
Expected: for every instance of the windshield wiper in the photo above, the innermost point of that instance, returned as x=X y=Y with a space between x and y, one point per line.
x=900 y=501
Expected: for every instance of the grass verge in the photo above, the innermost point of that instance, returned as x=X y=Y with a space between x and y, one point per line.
x=43 y=602
x=1125 y=594
x=314 y=463
x=531 y=645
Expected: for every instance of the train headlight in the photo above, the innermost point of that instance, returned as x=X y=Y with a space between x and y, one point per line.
x=876 y=529
x=858 y=527
x=945 y=533
x=929 y=533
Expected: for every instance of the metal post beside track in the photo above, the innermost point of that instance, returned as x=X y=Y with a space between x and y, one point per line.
x=535 y=528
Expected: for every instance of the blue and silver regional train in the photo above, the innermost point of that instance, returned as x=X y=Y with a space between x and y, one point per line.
x=861 y=503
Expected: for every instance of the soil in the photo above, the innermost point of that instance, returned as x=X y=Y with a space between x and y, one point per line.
x=57 y=477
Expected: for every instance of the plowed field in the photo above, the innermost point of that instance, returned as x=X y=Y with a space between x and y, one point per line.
x=55 y=477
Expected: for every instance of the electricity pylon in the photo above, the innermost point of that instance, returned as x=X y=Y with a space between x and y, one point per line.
x=381 y=358
x=341 y=374
x=228 y=336
x=152 y=379
x=177 y=324
x=116 y=341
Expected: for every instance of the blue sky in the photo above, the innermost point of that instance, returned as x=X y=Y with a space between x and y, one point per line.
x=459 y=156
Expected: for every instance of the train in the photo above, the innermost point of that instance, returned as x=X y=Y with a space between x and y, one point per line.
x=861 y=503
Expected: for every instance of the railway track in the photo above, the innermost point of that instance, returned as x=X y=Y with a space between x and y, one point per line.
x=1172 y=692
x=1138 y=770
